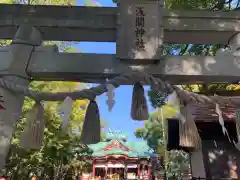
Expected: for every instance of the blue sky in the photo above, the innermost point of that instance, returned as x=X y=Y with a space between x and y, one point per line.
x=119 y=118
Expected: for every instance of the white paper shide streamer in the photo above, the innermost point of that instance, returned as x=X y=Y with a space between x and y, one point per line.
x=221 y=121
x=181 y=117
x=237 y=144
x=65 y=111
x=175 y=103
x=237 y=114
x=174 y=100
x=220 y=118
x=110 y=96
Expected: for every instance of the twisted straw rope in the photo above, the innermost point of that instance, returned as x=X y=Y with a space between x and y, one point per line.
x=188 y=97
x=134 y=76
x=85 y=93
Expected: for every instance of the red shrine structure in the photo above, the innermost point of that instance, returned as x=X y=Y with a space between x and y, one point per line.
x=117 y=158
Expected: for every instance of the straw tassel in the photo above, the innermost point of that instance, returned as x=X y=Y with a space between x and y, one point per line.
x=188 y=132
x=91 y=131
x=139 y=109
x=33 y=134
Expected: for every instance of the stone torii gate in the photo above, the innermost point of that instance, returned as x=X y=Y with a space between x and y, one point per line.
x=138 y=27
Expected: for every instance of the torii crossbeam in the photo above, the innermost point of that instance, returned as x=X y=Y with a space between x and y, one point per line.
x=48 y=64
x=100 y=24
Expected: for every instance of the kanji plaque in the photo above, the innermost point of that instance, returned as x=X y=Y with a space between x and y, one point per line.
x=140 y=29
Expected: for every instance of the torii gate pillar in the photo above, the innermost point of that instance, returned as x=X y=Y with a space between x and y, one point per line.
x=23 y=44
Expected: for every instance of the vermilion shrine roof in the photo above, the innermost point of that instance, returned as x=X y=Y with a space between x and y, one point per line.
x=117 y=144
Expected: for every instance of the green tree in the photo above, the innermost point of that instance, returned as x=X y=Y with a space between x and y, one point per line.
x=92 y=3
x=59 y=149
x=57 y=158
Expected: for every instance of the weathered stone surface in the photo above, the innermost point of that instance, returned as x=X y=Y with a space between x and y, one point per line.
x=175 y=69
x=100 y=24
x=140 y=34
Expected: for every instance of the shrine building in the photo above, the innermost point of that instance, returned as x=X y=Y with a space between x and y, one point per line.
x=117 y=157
x=218 y=157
